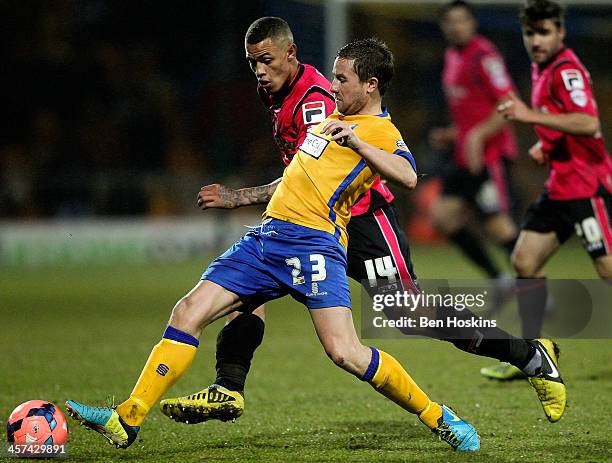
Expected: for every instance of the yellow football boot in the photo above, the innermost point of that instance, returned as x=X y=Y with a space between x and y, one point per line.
x=213 y=403
x=547 y=381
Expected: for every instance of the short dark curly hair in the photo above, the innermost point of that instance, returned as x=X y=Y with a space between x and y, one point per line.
x=534 y=11
x=372 y=59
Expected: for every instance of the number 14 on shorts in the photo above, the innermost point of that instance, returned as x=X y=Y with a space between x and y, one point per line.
x=381 y=266
x=318 y=272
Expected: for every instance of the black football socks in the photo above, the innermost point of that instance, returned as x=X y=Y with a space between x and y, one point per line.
x=236 y=344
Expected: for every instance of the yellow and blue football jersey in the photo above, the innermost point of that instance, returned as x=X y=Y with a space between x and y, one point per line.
x=325 y=179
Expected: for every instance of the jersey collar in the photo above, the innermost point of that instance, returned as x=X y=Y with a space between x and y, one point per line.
x=385 y=113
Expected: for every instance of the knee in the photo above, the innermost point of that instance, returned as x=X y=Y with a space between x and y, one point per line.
x=351 y=358
x=343 y=356
x=524 y=265
x=189 y=316
x=337 y=355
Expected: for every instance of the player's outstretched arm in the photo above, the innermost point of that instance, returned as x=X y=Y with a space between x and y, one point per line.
x=217 y=196
x=389 y=166
x=574 y=123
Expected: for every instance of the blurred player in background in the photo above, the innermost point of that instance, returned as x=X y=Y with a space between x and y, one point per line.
x=300 y=249
x=577 y=195
x=297 y=97
x=475 y=80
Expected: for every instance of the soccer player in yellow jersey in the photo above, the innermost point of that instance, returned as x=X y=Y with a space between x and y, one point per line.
x=300 y=249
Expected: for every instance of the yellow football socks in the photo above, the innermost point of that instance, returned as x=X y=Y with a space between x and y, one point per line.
x=168 y=361
x=387 y=376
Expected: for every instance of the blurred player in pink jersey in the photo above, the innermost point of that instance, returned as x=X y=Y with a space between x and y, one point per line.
x=475 y=80
x=577 y=195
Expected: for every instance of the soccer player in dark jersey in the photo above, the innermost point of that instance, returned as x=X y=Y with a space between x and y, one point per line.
x=297 y=97
x=475 y=80
x=577 y=195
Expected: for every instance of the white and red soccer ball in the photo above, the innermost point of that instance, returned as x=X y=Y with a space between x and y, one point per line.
x=37 y=422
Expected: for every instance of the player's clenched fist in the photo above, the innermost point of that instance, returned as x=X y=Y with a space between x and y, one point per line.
x=342 y=134
x=216 y=196
x=536 y=153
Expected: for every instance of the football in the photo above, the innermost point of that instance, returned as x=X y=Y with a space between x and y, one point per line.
x=37 y=422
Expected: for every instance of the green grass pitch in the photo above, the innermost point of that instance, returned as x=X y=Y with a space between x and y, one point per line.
x=83 y=334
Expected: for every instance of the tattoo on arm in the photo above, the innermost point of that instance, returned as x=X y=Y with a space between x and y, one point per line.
x=229 y=198
x=253 y=195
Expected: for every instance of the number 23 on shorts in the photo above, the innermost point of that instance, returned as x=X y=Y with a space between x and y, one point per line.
x=318 y=272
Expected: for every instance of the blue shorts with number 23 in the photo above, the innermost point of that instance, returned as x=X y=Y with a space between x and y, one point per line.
x=279 y=258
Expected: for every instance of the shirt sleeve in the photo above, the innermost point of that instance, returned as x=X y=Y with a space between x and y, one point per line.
x=313 y=109
x=394 y=144
x=494 y=74
x=571 y=88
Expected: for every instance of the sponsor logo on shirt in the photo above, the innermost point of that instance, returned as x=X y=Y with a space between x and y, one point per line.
x=313 y=112
x=314 y=145
x=572 y=79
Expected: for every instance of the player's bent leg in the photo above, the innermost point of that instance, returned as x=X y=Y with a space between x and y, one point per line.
x=336 y=331
x=168 y=361
x=532 y=251
x=229 y=271
x=224 y=399
x=204 y=304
